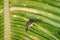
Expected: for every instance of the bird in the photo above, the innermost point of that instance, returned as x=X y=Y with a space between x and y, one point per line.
x=31 y=21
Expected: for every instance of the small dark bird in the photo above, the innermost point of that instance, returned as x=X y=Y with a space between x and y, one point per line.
x=30 y=22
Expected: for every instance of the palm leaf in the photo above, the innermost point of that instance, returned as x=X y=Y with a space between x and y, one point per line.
x=46 y=11
x=1 y=21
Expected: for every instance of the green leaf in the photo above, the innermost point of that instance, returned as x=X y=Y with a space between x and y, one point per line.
x=46 y=11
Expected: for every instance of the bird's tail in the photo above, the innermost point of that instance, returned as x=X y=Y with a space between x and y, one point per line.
x=26 y=28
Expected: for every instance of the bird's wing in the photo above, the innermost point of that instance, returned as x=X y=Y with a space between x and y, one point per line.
x=28 y=24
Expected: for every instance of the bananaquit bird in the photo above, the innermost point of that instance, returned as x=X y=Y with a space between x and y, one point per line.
x=29 y=23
